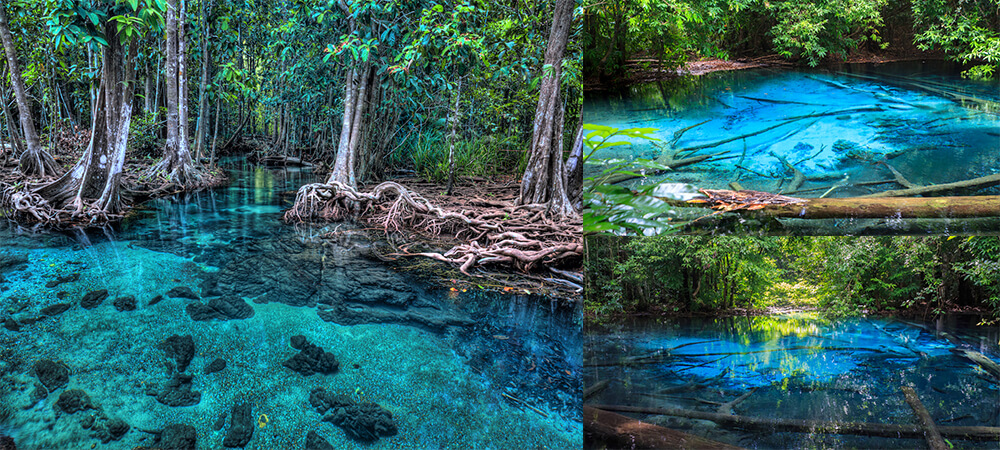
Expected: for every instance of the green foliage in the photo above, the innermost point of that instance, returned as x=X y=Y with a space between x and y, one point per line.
x=969 y=31
x=813 y=29
x=609 y=208
x=841 y=275
x=482 y=156
x=144 y=130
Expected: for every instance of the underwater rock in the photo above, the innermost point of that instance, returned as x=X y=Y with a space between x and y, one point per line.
x=155 y=300
x=240 y=427
x=182 y=292
x=104 y=428
x=56 y=309
x=60 y=280
x=93 y=299
x=361 y=421
x=220 y=421
x=177 y=436
x=74 y=400
x=427 y=318
x=311 y=358
x=177 y=392
x=51 y=374
x=38 y=393
x=11 y=262
x=210 y=287
x=316 y=442
x=224 y=308
x=7 y=443
x=180 y=348
x=126 y=303
x=217 y=364
x=11 y=324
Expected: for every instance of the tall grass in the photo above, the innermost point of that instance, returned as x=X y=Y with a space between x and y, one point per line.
x=484 y=156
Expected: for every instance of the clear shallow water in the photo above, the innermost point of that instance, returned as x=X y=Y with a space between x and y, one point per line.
x=801 y=367
x=836 y=127
x=438 y=361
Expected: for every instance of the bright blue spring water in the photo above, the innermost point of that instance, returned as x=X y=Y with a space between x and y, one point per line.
x=447 y=365
x=799 y=366
x=838 y=127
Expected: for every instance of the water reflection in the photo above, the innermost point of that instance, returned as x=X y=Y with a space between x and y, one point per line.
x=798 y=366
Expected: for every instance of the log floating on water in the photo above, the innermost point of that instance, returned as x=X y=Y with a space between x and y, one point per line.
x=987 y=364
x=889 y=207
x=813 y=426
x=618 y=431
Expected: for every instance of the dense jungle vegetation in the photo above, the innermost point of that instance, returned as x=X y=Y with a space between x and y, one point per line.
x=918 y=276
x=108 y=102
x=804 y=31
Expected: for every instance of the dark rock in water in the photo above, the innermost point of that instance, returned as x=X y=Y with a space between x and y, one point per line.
x=155 y=300
x=74 y=400
x=108 y=430
x=38 y=393
x=311 y=359
x=177 y=436
x=316 y=442
x=56 y=309
x=220 y=422
x=93 y=299
x=182 y=292
x=180 y=348
x=225 y=308
x=177 y=392
x=298 y=341
x=361 y=421
x=216 y=365
x=126 y=303
x=11 y=324
x=240 y=426
x=428 y=318
x=324 y=401
x=210 y=287
x=53 y=375
x=61 y=280
x=10 y=262
x=62 y=294
x=29 y=320
x=7 y=443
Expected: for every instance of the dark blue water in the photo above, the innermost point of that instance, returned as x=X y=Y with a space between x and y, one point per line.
x=798 y=366
x=447 y=365
x=838 y=127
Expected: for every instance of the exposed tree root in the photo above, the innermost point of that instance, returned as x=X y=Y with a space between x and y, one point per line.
x=38 y=163
x=523 y=237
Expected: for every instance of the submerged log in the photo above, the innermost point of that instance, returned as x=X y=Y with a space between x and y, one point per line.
x=978 y=183
x=618 y=431
x=875 y=208
x=987 y=364
x=813 y=426
x=934 y=439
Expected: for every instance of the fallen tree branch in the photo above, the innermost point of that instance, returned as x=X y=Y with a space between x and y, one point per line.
x=934 y=439
x=979 y=183
x=813 y=426
x=618 y=431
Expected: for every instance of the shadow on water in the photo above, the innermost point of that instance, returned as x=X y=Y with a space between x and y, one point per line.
x=455 y=369
x=798 y=366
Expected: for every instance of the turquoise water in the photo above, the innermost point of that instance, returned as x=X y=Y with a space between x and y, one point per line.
x=799 y=366
x=837 y=127
x=446 y=365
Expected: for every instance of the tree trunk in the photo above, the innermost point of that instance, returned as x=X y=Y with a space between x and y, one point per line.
x=177 y=165
x=98 y=172
x=201 y=128
x=544 y=180
x=35 y=160
x=350 y=130
x=574 y=168
x=451 y=139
